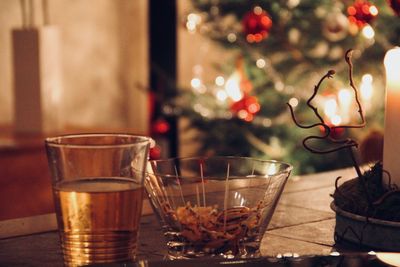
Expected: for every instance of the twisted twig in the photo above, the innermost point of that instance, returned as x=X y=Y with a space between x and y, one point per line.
x=340 y=144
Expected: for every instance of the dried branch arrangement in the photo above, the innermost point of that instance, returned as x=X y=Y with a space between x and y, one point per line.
x=364 y=195
x=338 y=144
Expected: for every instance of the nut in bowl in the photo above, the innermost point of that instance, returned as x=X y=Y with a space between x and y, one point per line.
x=217 y=206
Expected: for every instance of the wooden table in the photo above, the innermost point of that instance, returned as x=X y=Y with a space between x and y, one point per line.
x=303 y=223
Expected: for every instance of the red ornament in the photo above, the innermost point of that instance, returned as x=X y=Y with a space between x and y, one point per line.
x=335 y=133
x=257 y=25
x=155 y=152
x=395 y=5
x=362 y=12
x=160 y=126
x=246 y=107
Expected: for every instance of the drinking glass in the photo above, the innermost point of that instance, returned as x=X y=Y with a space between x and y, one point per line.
x=97 y=182
x=217 y=206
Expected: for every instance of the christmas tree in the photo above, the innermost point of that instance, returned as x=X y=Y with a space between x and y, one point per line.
x=280 y=49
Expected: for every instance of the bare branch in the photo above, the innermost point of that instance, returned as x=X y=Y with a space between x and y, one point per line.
x=339 y=144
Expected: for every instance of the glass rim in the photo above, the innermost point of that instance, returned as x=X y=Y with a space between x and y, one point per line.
x=287 y=169
x=55 y=141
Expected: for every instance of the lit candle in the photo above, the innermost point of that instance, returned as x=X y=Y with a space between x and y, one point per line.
x=391 y=147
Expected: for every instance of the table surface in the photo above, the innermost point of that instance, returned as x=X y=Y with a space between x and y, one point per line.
x=303 y=223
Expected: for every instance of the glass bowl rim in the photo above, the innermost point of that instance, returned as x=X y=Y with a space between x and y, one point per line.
x=287 y=169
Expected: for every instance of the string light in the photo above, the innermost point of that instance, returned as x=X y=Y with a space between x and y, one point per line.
x=231 y=37
x=344 y=98
x=330 y=107
x=219 y=81
x=232 y=87
x=193 y=20
x=221 y=95
x=336 y=120
x=294 y=102
x=260 y=63
x=366 y=88
x=257 y=10
x=368 y=32
x=195 y=83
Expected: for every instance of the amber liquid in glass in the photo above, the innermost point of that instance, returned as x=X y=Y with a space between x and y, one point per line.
x=98 y=219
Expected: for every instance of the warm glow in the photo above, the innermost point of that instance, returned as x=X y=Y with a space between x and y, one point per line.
x=260 y=63
x=336 y=120
x=330 y=107
x=344 y=98
x=368 y=32
x=192 y=21
x=231 y=37
x=257 y=10
x=367 y=78
x=232 y=87
x=294 y=102
x=195 y=83
x=366 y=88
x=392 y=66
x=271 y=169
x=393 y=259
x=221 y=95
x=373 y=10
x=219 y=81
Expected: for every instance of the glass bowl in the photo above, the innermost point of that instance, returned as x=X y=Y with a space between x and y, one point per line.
x=215 y=206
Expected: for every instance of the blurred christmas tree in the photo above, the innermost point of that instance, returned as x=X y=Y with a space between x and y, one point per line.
x=279 y=50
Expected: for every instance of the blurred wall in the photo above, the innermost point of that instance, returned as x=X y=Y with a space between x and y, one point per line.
x=104 y=61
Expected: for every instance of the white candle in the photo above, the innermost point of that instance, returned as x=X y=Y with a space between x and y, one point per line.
x=391 y=147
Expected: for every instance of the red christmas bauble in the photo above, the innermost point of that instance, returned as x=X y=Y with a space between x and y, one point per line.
x=257 y=25
x=362 y=12
x=395 y=5
x=160 y=126
x=246 y=107
x=155 y=152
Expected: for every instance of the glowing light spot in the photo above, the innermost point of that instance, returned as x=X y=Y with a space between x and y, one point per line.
x=267 y=122
x=368 y=32
x=242 y=114
x=193 y=20
x=257 y=10
x=330 y=107
x=336 y=120
x=366 y=88
x=232 y=87
x=221 y=95
x=367 y=78
x=260 y=63
x=191 y=26
x=294 y=102
x=344 y=98
x=253 y=108
x=195 y=83
x=231 y=37
x=219 y=81
x=373 y=10
x=271 y=169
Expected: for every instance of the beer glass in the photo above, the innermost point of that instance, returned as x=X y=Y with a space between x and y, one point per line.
x=97 y=182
